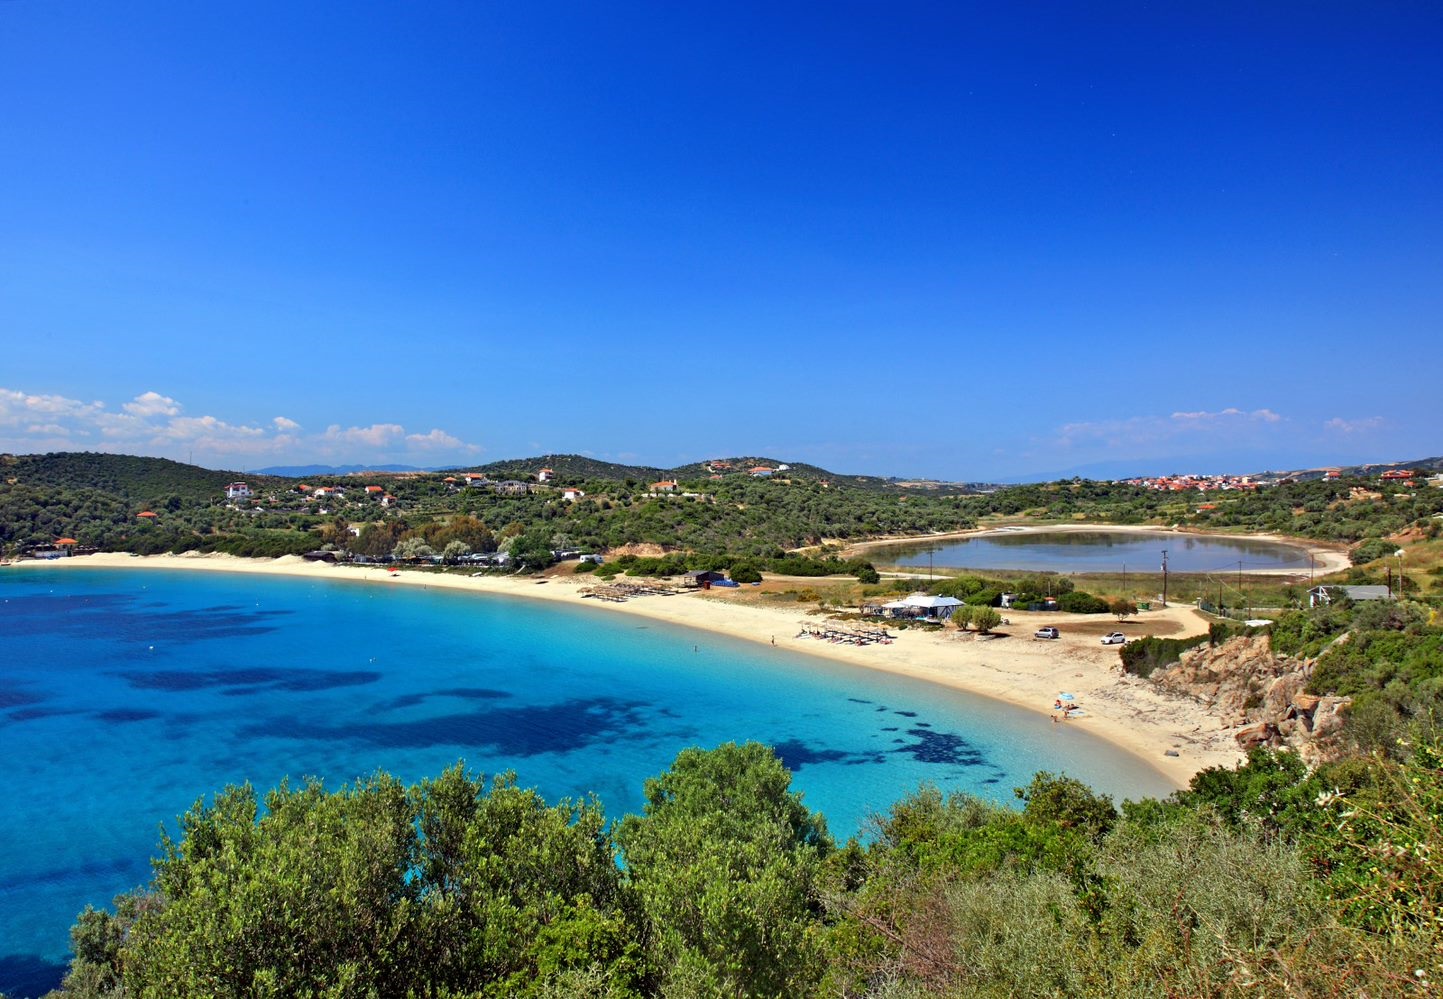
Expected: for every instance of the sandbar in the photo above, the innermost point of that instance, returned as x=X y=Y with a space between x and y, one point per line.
x=1012 y=667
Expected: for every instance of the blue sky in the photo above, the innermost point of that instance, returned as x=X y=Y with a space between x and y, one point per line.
x=961 y=241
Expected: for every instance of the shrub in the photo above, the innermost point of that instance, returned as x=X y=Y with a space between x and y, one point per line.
x=1078 y=602
x=1371 y=551
x=746 y=572
x=1141 y=656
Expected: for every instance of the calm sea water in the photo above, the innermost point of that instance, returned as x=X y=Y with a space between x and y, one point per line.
x=1099 y=551
x=127 y=695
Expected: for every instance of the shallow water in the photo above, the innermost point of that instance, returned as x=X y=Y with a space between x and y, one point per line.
x=1099 y=551
x=127 y=695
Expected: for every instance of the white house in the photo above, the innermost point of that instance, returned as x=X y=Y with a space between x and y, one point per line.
x=237 y=490
x=571 y=495
x=545 y=475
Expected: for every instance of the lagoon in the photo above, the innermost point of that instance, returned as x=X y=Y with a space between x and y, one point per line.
x=128 y=695
x=1080 y=551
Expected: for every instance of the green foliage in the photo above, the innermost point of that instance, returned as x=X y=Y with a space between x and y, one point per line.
x=726 y=861
x=1268 y=879
x=984 y=619
x=1121 y=608
x=1068 y=804
x=745 y=572
x=1078 y=602
x=1143 y=655
x=1305 y=633
x=1372 y=550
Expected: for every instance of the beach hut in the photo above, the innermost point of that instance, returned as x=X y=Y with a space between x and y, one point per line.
x=938 y=608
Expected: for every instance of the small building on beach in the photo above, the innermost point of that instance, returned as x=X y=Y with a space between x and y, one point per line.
x=702 y=578
x=922 y=605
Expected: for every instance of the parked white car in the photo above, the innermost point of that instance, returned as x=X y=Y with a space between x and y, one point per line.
x=1046 y=633
x=1116 y=638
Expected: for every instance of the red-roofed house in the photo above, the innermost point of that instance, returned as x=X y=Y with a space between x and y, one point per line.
x=545 y=475
x=237 y=490
x=663 y=487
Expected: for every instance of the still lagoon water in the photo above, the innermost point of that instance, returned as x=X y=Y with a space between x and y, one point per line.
x=1099 y=551
x=127 y=695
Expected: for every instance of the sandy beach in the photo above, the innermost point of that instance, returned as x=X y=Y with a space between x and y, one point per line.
x=1328 y=558
x=1012 y=667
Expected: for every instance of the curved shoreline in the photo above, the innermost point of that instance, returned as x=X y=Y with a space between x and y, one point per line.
x=1329 y=558
x=1123 y=711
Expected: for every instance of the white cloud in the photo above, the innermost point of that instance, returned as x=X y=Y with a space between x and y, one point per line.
x=18 y=408
x=152 y=404
x=438 y=440
x=1230 y=414
x=153 y=423
x=376 y=435
x=1338 y=425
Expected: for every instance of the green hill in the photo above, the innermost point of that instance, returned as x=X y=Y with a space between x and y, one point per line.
x=125 y=476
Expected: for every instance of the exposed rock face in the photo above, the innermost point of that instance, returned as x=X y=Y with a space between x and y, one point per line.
x=1260 y=693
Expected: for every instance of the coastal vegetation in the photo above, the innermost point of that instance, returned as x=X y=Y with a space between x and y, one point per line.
x=97 y=500
x=1267 y=879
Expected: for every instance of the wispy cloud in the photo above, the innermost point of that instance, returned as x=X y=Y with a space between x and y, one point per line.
x=1141 y=432
x=156 y=424
x=1338 y=425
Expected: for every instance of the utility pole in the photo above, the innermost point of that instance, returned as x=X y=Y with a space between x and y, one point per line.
x=1164 y=577
x=1311 y=562
x=1124 y=580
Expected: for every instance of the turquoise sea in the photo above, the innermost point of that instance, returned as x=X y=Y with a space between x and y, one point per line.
x=126 y=695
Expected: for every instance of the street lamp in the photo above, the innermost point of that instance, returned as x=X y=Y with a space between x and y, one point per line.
x=1402 y=590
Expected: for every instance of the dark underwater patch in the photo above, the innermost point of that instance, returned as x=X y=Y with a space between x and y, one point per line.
x=517 y=731
x=12 y=697
x=121 y=716
x=461 y=693
x=242 y=682
x=942 y=747
x=906 y=714
x=859 y=700
x=29 y=975
x=125 y=618
x=31 y=714
x=796 y=754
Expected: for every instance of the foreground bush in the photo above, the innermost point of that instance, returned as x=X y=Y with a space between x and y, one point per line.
x=1266 y=880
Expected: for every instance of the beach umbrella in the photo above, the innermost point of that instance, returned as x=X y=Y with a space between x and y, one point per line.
x=67 y=541
x=1064 y=697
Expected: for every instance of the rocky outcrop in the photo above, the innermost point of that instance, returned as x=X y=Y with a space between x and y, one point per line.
x=1262 y=695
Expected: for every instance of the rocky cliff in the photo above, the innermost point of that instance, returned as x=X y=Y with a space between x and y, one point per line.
x=1261 y=695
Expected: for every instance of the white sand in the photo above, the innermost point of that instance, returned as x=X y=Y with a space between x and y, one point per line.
x=1017 y=669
